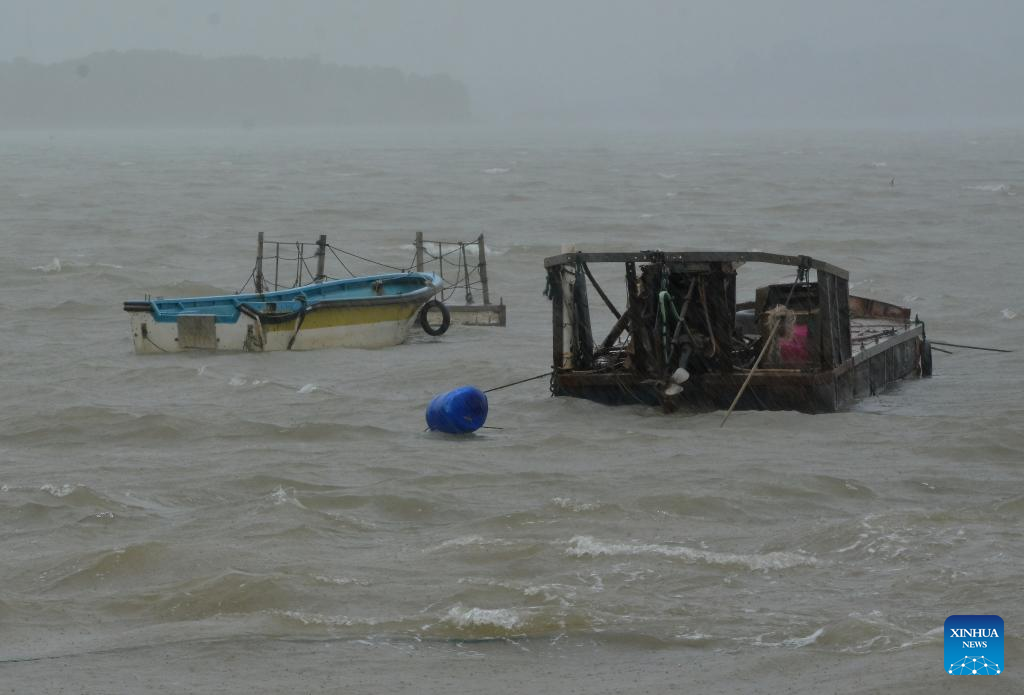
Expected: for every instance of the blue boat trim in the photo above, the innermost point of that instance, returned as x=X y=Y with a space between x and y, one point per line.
x=285 y=305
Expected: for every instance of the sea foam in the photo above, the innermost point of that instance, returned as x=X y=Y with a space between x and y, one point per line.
x=587 y=546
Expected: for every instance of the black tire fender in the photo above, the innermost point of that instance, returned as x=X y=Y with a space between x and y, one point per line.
x=446 y=318
x=926 y=358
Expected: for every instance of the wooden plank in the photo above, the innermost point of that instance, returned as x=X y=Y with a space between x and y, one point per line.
x=696 y=257
x=555 y=294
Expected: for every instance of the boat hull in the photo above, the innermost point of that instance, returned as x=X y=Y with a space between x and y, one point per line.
x=343 y=327
x=868 y=373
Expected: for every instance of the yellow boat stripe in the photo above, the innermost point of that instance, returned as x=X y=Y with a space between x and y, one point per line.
x=348 y=316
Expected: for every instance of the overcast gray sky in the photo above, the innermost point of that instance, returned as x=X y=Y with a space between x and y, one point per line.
x=651 y=60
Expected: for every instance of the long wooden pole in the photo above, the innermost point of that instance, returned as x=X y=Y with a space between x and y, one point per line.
x=419 y=252
x=750 y=374
x=482 y=269
x=258 y=280
x=771 y=335
x=607 y=302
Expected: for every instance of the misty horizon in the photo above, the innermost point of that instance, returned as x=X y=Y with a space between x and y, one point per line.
x=654 y=62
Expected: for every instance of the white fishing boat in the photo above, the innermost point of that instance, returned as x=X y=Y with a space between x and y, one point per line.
x=363 y=312
x=369 y=311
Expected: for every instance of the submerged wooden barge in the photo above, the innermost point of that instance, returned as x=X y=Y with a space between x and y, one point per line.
x=684 y=340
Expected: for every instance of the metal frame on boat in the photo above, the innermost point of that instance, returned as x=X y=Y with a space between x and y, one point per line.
x=469 y=274
x=683 y=340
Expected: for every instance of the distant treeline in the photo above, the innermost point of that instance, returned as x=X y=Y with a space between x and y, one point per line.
x=162 y=88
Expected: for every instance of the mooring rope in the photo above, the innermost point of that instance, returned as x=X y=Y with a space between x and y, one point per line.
x=521 y=381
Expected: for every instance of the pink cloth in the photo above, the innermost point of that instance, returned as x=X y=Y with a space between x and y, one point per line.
x=796 y=349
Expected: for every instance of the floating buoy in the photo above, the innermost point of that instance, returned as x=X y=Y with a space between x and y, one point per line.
x=460 y=411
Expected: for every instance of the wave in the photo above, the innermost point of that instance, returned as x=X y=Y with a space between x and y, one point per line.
x=234 y=592
x=460 y=622
x=53 y=266
x=109 y=567
x=992 y=188
x=587 y=546
x=84 y=423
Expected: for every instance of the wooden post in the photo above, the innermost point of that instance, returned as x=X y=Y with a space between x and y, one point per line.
x=568 y=318
x=483 y=270
x=258 y=279
x=465 y=269
x=419 y=252
x=321 y=256
x=277 y=264
x=557 y=309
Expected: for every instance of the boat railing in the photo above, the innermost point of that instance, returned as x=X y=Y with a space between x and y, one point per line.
x=458 y=268
x=297 y=263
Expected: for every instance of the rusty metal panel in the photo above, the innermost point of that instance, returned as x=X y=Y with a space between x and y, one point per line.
x=197 y=332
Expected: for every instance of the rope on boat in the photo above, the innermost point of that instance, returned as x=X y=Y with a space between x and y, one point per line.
x=771 y=335
x=150 y=341
x=362 y=258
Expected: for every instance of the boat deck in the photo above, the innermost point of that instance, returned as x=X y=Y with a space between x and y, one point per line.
x=866 y=332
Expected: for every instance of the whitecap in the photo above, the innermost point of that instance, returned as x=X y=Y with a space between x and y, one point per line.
x=474 y=540
x=505 y=618
x=283 y=496
x=572 y=505
x=62 y=491
x=1010 y=314
x=340 y=581
x=667 y=177
x=991 y=188
x=797 y=642
x=236 y=381
x=320 y=619
x=495 y=170
x=53 y=266
x=587 y=546
x=879 y=165
x=308 y=388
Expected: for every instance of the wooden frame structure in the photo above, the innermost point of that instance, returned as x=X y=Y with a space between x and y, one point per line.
x=682 y=327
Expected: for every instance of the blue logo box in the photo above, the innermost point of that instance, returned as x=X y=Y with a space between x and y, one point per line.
x=973 y=645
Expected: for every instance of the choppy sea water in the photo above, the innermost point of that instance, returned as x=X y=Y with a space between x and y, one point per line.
x=281 y=522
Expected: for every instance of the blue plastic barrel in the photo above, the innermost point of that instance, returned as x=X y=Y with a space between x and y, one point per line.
x=460 y=411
